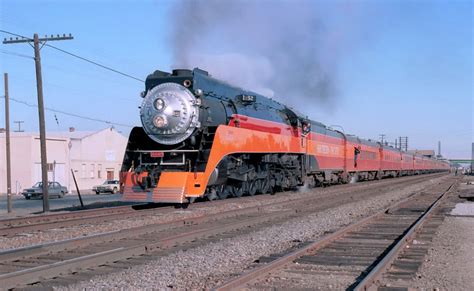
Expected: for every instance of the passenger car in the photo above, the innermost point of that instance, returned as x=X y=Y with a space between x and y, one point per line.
x=111 y=186
x=36 y=191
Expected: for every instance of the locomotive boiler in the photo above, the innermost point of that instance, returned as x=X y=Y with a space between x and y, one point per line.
x=201 y=137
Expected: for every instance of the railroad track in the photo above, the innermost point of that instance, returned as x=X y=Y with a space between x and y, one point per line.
x=359 y=256
x=15 y=226
x=38 y=263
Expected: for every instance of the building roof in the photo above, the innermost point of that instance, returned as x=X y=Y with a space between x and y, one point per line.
x=428 y=153
x=71 y=135
x=60 y=134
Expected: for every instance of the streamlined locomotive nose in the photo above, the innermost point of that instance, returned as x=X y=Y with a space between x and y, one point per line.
x=170 y=113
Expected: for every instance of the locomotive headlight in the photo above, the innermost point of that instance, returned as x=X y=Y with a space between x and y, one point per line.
x=170 y=113
x=160 y=121
x=159 y=104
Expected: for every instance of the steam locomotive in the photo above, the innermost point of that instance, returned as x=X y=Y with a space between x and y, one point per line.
x=202 y=137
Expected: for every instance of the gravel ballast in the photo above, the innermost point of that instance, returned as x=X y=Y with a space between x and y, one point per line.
x=160 y=216
x=449 y=263
x=209 y=265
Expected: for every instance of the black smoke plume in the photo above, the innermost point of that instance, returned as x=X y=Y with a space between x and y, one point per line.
x=287 y=50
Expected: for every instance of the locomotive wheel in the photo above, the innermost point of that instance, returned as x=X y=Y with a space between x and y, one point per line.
x=245 y=187
x=265 y=186
x=237 y=191
x=253 y=187
x=259 y=184
x=272 y=186
x=223 y=192
x=212 y=195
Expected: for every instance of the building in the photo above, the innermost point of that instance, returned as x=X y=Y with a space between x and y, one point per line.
x=93 y=156
x=426 y=153
x=472 y=159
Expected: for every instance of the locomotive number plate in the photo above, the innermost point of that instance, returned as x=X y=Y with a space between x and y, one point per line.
x=157 y=154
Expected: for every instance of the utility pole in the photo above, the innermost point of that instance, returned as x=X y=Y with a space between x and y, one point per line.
x=7 y=146
x=19 y=125
x=39 y=88
x=403 y=143
x=439 y=150
x=382 y=137
x=472 y=159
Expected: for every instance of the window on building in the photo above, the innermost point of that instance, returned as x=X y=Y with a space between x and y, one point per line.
x=99 y=171
x=110 y=174
x=83 y=170
x=92 y=170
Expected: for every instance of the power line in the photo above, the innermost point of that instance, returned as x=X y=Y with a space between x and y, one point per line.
x=68 y=113
x=77 y=56
x=16 y=54
x=14 y=34
x=95 y=63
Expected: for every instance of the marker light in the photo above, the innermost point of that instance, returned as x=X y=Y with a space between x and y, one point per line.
x=159 y=104
x=159 y=121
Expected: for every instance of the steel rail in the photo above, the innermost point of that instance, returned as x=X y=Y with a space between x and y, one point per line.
x=200 y=224
x=17 y=221
x=29 y=224
x=250 y=276
x=119 y=234
x=370 y=280
x=35 y=274
x=9 y=227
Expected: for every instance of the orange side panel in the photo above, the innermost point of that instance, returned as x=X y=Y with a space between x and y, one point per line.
x=328 y=151
x=229 y=140
x=171 y=187
x=132 y=190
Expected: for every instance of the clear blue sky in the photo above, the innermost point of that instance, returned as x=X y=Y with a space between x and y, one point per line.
x=406 y=71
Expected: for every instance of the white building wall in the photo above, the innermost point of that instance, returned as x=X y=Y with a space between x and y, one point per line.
x=26 y=160
x=57 y=156
x=20 y=148
x=98 y=152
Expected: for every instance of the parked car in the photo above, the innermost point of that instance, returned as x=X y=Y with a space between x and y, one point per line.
x=36 y=191
x=109 y=186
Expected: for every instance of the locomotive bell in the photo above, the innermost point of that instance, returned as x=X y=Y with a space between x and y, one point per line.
x=170 y=113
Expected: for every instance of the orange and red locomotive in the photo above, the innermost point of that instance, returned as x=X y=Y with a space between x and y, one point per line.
x=202 y=137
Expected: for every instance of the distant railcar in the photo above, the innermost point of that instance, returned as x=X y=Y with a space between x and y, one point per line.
x=202 y=137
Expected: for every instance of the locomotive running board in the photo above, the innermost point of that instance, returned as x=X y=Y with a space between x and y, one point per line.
x=171 y=187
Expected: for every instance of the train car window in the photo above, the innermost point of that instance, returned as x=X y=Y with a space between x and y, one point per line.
x=319 y=129
x=368 y=155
